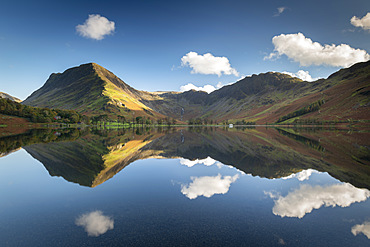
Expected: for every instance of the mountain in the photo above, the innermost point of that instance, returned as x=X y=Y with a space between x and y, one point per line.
x=264 y=98
x=92 y=90
x=268 y=97
x=7 y=96
x=234 y=101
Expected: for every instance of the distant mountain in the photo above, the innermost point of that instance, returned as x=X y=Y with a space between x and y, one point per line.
x=7 y=96
x=264 y=98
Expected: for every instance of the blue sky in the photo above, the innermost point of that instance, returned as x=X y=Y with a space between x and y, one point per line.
x=150 y=38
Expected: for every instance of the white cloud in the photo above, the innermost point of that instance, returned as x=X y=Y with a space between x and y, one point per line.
x=301 y=74
x=303 y=50
x=303 y=175
x=190 y=86
x=363 y=22
x=280 y=10
x=190 y=163
x=219 y=85
x=208 y=64
x=96 y=27
x=95 y=223
x=363 y=228
x=206 y=88
x=207 y=186
x=303 y=200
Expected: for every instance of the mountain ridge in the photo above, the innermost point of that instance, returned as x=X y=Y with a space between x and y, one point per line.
x=264 y=98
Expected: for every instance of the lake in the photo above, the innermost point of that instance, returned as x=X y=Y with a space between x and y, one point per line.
x=186 y=187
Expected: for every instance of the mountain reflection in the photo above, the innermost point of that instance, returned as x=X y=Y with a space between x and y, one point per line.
x=90 y=157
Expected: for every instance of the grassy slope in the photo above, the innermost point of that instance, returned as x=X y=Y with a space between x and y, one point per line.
x=123 y=99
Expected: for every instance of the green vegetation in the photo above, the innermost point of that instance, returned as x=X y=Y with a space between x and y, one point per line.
x=200 y=121
x=304 y=110
x=38 y=115
x=243 y=122
x=122 y=121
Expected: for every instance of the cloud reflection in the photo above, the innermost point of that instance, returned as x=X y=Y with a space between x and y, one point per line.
x=190 y=163
x=95 y=223
x=363 y=228
x=303 y=175
x=303 y=200
x=207 y=186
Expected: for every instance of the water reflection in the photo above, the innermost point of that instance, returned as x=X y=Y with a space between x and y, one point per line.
x=208 y=186
x=363 y=228
x=207 y=162
x=212 y=204
x=303 y=175
x=95 y=223
x=302 y=201
x=90 y=158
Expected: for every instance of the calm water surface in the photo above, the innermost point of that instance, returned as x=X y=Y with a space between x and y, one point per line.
x=185 y=187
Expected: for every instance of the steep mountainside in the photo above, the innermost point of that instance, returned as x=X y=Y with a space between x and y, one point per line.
x=7 y=96
x=93 y=90
x=264 y=98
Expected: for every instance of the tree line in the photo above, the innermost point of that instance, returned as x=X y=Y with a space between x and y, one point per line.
x=200 y=121
x=304 y=110
x=38 y=115
x=140 y=120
